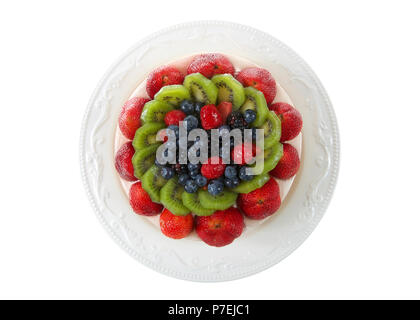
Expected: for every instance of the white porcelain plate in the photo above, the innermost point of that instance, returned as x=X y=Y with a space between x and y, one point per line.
x=270 y=242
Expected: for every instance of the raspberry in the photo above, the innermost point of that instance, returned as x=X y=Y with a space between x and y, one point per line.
x=174 y=117
x=213 y=169
x=210 y=117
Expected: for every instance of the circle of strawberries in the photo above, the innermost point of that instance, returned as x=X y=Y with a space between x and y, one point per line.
x=223 y=226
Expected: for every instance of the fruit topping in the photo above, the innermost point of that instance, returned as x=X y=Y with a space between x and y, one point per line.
x=201 y=89
x=262 y=202
x=153 y=181
x=210 y=64
x=175 y=227
x=163 y=76
x=291 y=120
x=221 y=228
x=261 y=80
x=171 y=197
x=213 y=169
x=255 y=183
x=254 y=100
x=230 y=90
x=155 y=111
x=146 y=135
x=129 y=120
x=143 y=159
x=123 y=162
x=272 y=130
x=225 y=109
x=173 y=94
x=288 y=165
x=210 y=117
x=174 y=117
x=141 y=203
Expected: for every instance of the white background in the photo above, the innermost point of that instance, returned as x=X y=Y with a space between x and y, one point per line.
x=366 y=53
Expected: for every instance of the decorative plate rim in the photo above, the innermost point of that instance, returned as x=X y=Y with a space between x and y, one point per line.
x=333 y=169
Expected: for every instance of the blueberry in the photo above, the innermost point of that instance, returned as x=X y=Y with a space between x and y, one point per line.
x=191 y=186
x=250 y=116
x=180 y=168
x=243 y=175
x=174 y=128
x=232 y=183
x=224 y=127
x=193 y=174
x=193 y=167
x=198 y=106
x=187 y=106
x=200 y=180
x=230 y=172
x=215 y=187
x=167 y=173
x=183 y=178
x=190 y=123
x=254 y=134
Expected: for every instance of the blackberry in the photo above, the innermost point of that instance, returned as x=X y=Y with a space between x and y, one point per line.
x=236 y=120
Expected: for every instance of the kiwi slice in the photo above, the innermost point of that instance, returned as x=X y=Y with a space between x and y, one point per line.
x=146 y=135
x=272 y=156
x=152 y=182
x=201 y=88
x=255 y=100
x=190 y=200
x=230 y=90
x=272 y=129
x=222 y=201
x=251 y=185
x=143 y=159
x=171 y=197
x=154 y=111
x=173 y=94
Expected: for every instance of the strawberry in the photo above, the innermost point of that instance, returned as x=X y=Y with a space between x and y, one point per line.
x=123 y=162
x=214 y=168
x=163 y=76
x=174 y=117
x=176 y=227
x=210 y=64
x=221 y=228
x=244 y=153
x=262 y=202
x=129 y=120
x=261 y=80
x=291 y=120
x=141 y=203
x=210 y=117
x=225 y=108
x=288 y=165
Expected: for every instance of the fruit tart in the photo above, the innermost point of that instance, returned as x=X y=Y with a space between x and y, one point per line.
x=188 y=143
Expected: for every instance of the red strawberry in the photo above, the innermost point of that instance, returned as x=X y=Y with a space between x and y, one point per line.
x=210 y=117
x=221 y=228
x=123 y=162
x=214 y=168
x=261 y=80
x=291 y=120
x=163 y=76
x=210 y=64
x=225 y=108
x=288 y=165
x=141 y=203
x=129 y=120
x=173 y=117
x=176 y=227
x=262 y=202
x=243 y=153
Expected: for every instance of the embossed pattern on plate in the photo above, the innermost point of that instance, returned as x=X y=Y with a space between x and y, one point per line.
x=305 y=204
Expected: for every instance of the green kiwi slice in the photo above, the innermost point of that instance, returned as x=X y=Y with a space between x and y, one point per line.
x=152 y=182
x=154 y=111
x=146 y=135
x=272 y=156
x=272 y=130
x=173 y=94
x=222 y=201
x=171 y=197
x=201 y=88
x=143 y=159
x=230 y=90
x=255 y=100
x=251 y=185
x=191 y=201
